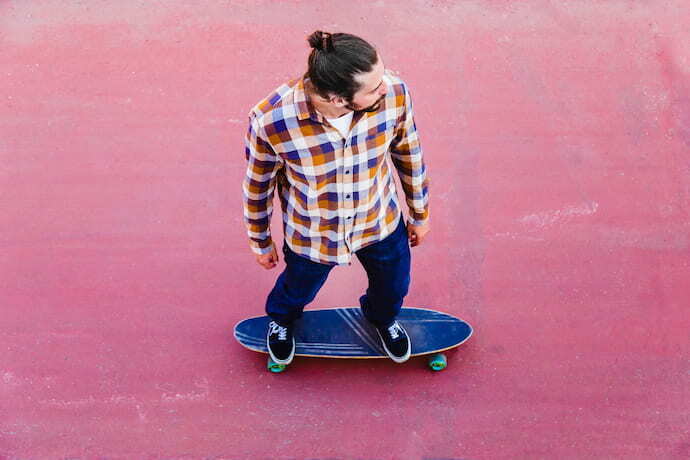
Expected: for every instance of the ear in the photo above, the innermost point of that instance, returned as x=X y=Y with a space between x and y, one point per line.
x=338 y=101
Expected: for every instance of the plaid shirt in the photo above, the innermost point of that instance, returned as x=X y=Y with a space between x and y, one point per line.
x=337 y=195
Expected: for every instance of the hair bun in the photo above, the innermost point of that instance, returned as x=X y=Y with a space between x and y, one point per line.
x=321 y=41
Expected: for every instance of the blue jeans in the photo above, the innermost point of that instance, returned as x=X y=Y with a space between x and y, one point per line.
x=387 y=263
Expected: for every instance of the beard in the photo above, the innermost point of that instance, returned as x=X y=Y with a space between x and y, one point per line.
x=372 y=108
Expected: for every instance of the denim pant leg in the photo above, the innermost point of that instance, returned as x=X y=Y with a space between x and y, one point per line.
x=296 y=286
x=387 y=263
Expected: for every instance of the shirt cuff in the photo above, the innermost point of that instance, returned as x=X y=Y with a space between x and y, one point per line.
x=265 y=248
x=418 y=219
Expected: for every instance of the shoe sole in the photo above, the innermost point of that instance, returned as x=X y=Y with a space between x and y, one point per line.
x=397 y=359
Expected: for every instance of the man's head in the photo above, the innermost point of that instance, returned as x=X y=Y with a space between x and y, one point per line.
x=345 y=71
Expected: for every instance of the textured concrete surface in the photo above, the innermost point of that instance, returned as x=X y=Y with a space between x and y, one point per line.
x=557 y=140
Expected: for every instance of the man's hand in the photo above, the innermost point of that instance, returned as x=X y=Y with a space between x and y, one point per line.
x=268 y=260
x=416 y=233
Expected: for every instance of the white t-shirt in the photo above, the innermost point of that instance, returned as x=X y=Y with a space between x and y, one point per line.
x=342 y=124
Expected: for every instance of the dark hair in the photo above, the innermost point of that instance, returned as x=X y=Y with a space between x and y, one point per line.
x=335 y=60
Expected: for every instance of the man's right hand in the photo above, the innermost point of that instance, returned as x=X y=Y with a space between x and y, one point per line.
x=269 y=260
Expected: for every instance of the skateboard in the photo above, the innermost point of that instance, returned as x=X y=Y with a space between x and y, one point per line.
x=345 y=333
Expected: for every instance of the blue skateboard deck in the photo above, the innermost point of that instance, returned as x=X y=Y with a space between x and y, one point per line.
x=345 y=333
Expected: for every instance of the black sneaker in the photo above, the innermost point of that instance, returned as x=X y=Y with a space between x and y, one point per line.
x=396 y=342
x=280 y=343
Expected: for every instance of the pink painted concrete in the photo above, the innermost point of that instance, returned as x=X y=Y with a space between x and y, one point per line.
x=557 y=139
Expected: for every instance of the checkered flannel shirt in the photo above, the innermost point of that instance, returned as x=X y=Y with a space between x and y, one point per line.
x=337 y=194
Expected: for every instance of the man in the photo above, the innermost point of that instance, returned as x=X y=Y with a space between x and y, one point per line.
x=324 y=140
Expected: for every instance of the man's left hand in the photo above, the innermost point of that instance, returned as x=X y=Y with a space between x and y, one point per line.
x=417 y=233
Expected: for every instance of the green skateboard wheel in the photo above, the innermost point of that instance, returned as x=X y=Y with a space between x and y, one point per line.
x=274 y=366
x=438 y=362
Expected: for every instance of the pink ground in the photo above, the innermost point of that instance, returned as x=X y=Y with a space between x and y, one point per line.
x=557 y=140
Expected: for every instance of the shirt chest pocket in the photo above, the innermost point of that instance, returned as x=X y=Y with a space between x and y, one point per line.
x=381 y=140
x=312 y=167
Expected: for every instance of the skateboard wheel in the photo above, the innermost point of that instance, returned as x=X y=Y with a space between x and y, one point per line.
x=438 y=362
x=274 y=366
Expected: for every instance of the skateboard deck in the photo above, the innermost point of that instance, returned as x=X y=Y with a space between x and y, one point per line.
x=345 y=333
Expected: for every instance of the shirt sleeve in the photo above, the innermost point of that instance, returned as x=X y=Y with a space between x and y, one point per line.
x=406 y=154
x=258 y=187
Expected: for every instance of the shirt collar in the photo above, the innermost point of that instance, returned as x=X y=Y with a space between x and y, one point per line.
x=305 y=109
